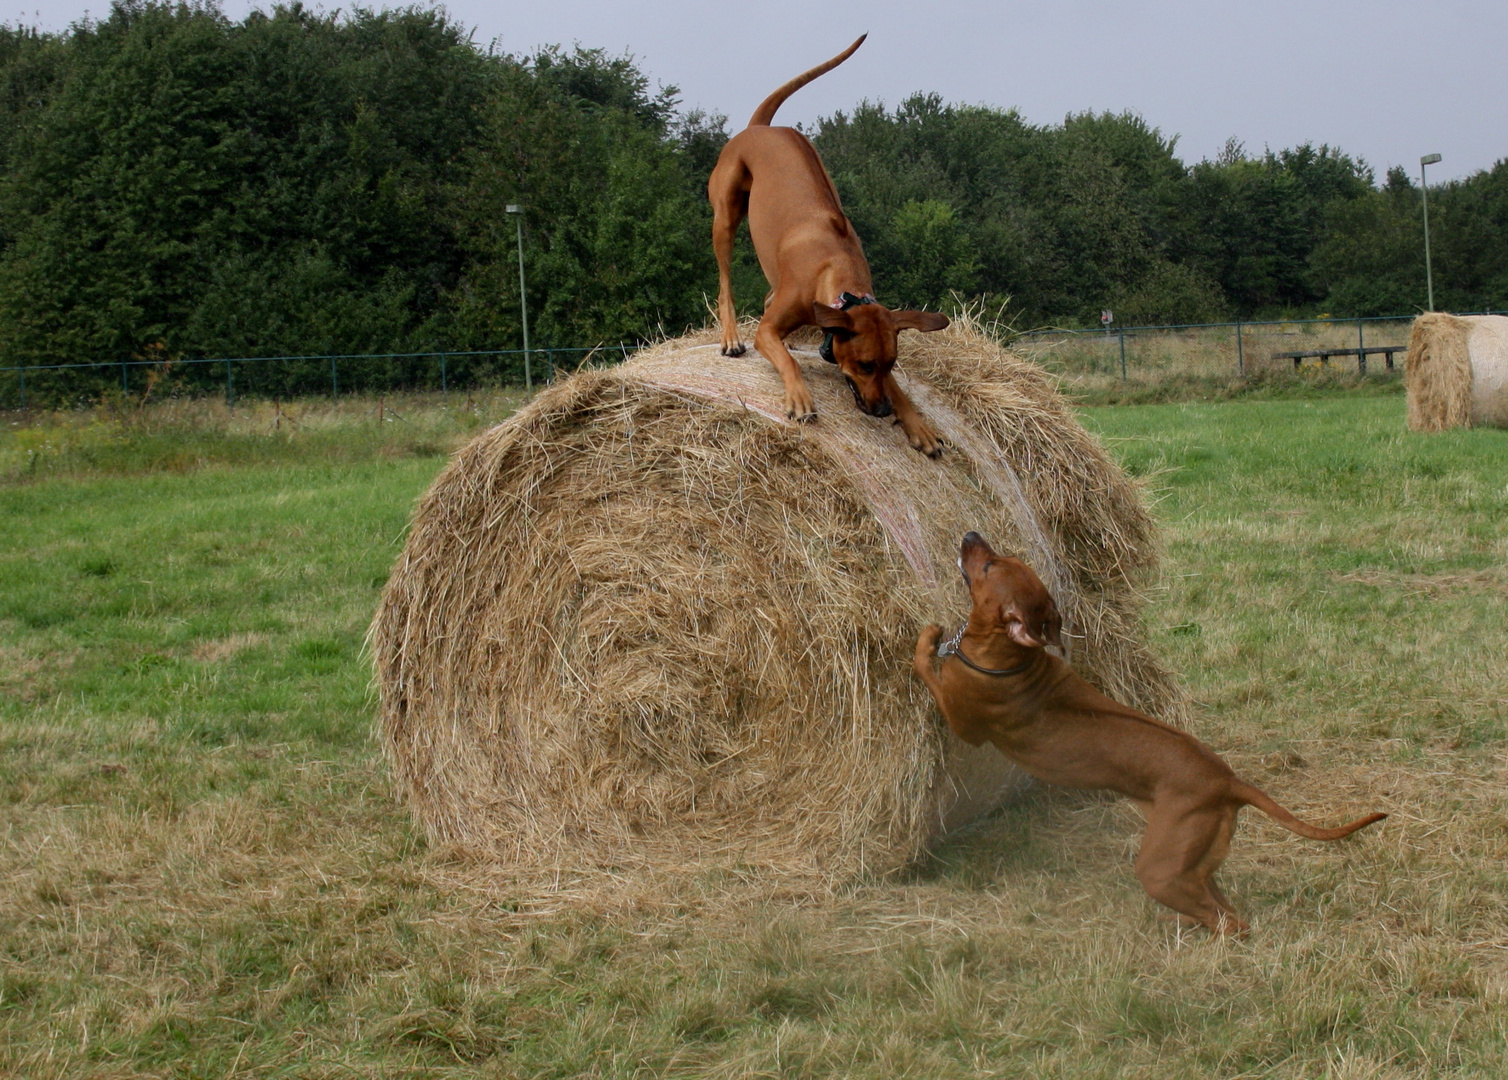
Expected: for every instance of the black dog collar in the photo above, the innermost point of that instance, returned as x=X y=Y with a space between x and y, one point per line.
x=845 y=301
x=951 y=647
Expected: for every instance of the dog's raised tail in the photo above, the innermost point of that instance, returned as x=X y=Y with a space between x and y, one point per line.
x=766 y=111
x=1254 y=796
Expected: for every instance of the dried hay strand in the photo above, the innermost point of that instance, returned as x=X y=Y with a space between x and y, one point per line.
x=1457 y=372
x=648 y=623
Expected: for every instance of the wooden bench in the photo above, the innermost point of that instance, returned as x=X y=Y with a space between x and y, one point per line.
x=1324 y=355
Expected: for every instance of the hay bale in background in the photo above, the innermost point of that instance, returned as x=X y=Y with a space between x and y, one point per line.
x=648 y=621
x=1457 y=372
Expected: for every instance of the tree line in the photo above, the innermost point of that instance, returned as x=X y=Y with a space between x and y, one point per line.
x=177 y=184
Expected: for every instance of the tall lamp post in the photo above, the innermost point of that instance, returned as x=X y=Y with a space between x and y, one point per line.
x=1429 y=276
x=523 y=299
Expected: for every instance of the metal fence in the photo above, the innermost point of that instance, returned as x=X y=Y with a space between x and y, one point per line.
x=272 y=376
x=1133 y=354
x=1149 y=355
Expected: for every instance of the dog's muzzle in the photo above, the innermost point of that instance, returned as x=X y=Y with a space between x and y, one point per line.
x=970 y=538
x=884 y=408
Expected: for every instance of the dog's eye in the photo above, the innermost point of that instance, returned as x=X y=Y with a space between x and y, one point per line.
x=866 y=366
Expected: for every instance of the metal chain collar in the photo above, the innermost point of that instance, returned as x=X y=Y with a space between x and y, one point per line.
x=951 y=647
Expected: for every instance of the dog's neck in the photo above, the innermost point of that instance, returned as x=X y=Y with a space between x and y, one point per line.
x=992 y=646
x=837 y=280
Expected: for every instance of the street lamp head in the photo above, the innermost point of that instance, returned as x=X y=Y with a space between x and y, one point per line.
x=514 y=208
x=1430 y=159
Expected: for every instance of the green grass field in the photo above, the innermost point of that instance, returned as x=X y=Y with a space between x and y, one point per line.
x=203 y=874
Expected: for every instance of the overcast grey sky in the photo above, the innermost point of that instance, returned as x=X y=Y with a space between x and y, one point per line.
x=1387 y=80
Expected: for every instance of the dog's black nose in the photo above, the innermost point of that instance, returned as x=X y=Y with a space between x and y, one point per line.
x=881 y=409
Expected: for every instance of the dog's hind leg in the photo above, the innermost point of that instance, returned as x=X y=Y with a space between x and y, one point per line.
x=1179 y=854
x=1213 y=857
x=728 y=192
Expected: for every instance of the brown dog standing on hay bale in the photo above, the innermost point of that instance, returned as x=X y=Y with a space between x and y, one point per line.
x=1006 y=688
x=814 y=263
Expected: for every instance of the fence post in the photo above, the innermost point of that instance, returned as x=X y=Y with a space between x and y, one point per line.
x=1122 y=332
x=443 y=385
x=334 y=380
x=1361 y=348
x=1240 y=353
x=230 y=389
x=125 y=387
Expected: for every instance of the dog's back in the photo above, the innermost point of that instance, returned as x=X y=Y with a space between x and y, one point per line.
x=803 y=187
x=784 y=204
x=1064 y=731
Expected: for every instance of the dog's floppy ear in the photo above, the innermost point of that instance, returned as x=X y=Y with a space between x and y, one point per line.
x=918 y=320
x=1034 y=629
x=1018 y=630
x=831 y=318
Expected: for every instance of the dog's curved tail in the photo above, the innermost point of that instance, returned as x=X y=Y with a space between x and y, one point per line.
x=766 y=111
x=1254 y=796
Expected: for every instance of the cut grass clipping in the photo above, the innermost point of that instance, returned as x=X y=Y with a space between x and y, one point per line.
x=1457 y=372
x=649 y=623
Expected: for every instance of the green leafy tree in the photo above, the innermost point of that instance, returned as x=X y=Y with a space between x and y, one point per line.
x=1370 y=260
x=208 y=187
x=932 y=255
x=1251 y=224
x=1062 y=220
x=175 y=183
x=617 y=229
x=1469 y=241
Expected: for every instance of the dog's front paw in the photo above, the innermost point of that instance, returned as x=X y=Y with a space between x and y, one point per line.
x=799 y=405
x=736 y=349
x=926 y=652
x=922 y=438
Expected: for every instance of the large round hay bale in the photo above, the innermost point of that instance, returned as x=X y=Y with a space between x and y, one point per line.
x=648 y=621
x=1457 y=372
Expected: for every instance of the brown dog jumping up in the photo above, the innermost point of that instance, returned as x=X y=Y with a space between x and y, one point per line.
x=814 y=264
x=998 y=683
